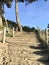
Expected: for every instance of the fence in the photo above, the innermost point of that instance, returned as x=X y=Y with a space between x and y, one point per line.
x=9 y=32
x=5 y=33
x=44 y=35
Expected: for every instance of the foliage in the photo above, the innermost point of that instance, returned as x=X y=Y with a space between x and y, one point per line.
x=31 y=1
x=33 y=29
x=1 y=11
x=1 y=28
x=48 y=26
x=9 y=35
x=7 y=3
x=28 y=29
x=11 y=24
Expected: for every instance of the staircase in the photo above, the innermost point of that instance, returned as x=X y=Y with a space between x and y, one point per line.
x=25 y=49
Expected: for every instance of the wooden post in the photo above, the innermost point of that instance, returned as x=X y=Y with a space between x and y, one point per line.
x=17 y=29
x=4 y=34
x=1 y=24
x=13 y=31
x=46 y=36
x=38 y=31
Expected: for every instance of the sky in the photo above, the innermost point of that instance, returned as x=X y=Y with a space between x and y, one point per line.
x=34 y=15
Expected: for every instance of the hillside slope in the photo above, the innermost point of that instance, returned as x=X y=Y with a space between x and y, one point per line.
x=24 y=49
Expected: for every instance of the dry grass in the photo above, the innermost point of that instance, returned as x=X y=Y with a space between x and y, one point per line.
x=43 y=36
x=1 y=28
x=21 y=51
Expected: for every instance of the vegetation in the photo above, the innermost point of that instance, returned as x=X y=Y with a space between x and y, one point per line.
x=2 y=2
x=8 y=4
x=42 y=35
x=1 y=28
x=28 y=29
x=9 y=35
x=10 y=23
x=48 y=26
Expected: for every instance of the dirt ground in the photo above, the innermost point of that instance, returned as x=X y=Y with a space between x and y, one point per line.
x=22 y=49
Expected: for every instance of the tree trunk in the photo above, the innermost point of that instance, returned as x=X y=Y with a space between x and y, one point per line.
x=17 y=16
x=1 y=24
x=6 y=23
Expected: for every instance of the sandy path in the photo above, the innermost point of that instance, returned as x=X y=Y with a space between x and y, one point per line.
x=24 y=49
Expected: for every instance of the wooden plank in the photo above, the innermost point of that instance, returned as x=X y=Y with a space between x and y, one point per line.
x=4 y=34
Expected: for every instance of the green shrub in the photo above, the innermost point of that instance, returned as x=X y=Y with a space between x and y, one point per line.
x=9 y=35
x=1 y=28
x=28 y=29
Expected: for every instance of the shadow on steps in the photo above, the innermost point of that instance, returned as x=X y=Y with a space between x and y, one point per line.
x=40 y=46
x=45 y=62
x=42 y=52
